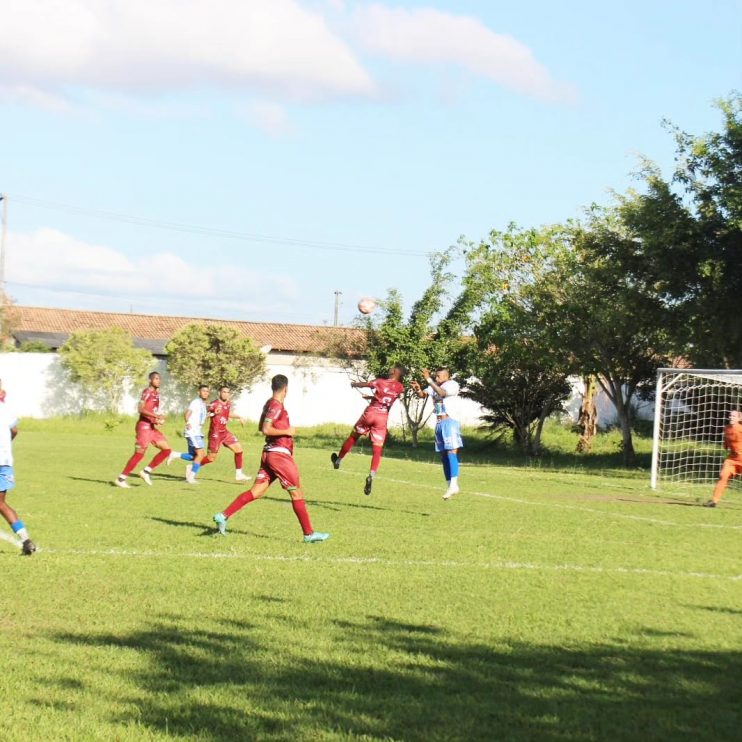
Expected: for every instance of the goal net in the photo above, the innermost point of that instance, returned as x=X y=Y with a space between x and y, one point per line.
x=691 y=410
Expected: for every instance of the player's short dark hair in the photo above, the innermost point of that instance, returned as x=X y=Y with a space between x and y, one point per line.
x=152 y=374
x=202 y=386
x=223 y=387
x=443 y=368
x=278 y=382
x=402 y=369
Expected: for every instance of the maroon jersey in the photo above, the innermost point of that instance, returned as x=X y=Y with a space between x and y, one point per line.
x=275 y=412
x=150 y=400
x=219 y=414
x=386 y=393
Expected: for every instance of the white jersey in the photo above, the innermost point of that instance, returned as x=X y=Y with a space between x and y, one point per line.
x=445 y=405
x=196 y=419
x=7 y=421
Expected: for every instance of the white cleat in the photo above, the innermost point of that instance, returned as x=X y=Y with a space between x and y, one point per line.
x=242 y=477
x=189 y=473
x=174 y=456
x=145 y=476
x=122 y=483
x=451 y=491
x=192 y=480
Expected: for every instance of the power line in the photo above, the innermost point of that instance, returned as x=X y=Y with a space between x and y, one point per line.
x=211 y=231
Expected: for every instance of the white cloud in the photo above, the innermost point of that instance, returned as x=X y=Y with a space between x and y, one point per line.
x=49 y=259
x=270 y=117
x=140 y=46
x=429 y=36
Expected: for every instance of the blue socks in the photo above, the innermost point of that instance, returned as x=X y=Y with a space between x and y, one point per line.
x=446 y=466
x=195 y=468
x=453 y=465
x=186 y=457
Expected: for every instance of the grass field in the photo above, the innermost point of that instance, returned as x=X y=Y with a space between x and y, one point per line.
x=553 y=601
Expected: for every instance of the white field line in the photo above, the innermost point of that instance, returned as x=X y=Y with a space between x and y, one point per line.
x=425 y=563
x=10 y=539
x=561 y=506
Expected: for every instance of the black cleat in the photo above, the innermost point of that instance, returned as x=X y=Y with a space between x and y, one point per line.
x=335 y=460
x=29 y=547
x=709 y=504
x=368 y=485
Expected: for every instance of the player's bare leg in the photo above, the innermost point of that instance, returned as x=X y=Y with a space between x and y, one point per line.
x=16 y=525
x=136 y=457
x=236 y=449
x=345 y=449
x=158 y=459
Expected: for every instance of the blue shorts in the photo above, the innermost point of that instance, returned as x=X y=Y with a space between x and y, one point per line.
x=195 y=443
x=7 y=478
x=448 y=435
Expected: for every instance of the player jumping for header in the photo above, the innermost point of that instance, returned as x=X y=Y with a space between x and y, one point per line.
x=277 y=462
x=441 y=389
x=8 y=431
x=732 y=466
x=375 y=419
x=147 y=433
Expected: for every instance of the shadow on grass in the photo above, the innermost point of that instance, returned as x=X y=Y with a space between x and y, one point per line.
x=389 y=679
x=204 y=530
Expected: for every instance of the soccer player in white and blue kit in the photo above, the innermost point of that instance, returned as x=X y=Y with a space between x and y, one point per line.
x=8 y=431
x=442 y=389
x=195 y=417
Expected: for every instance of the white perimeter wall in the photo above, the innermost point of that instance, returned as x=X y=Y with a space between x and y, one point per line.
x=319 y=392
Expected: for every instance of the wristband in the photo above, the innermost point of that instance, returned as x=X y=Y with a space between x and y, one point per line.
x=429 y=381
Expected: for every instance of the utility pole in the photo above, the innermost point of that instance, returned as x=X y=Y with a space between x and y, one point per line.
x=3 y=233
x=338 y=294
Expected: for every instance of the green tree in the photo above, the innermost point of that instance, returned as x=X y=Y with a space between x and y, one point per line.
x=516 y=372
x=688 y=240
x=105 y=363
x=215 y=355
x=607 y=323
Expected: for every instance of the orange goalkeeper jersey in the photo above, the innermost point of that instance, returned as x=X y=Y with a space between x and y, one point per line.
x=733 y=440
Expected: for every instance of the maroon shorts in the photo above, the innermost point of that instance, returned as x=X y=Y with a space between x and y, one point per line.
x=221 y=438
x=374 y=424
x=147 y=435
x=281 y=466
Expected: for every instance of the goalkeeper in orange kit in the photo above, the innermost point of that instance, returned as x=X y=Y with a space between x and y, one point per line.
x=733 y=463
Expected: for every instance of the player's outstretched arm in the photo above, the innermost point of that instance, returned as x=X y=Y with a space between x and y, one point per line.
x=439 y=390
x=361 y=384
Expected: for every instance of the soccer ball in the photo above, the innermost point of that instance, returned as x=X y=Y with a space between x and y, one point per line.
x=366 y=305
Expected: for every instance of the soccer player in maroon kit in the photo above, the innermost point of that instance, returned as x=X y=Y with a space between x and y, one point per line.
x=277 y=462
x=220 y=413
x=147 y=433
x=375 y=419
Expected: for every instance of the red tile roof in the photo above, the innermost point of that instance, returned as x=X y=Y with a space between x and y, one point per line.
x=289 y=338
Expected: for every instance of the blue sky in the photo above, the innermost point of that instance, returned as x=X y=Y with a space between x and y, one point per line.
x=385 y=129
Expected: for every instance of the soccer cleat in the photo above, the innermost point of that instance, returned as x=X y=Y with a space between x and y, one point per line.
x=451 y=491
x=174 y=455
x=28 y=548
x=145 y=476
x=221 y=523
x=122 y=483
x=313 y=538
x=190 y=479
x=709 y=504
x=335 y=460
x=241 y=477
x=369 y=484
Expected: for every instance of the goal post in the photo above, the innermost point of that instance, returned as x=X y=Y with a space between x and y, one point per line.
x=691 y=410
